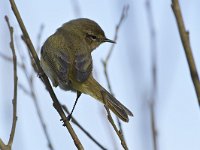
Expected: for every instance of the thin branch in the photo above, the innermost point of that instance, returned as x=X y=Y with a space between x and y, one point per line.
x=9 y=59
x=80 y=127
x=14 y=101
x=154 y=72
x=2 y=145
x=44 y=78
x=39 y=36
x=122 y=18
x=186 y=45
x=38 y=110
x=15 y=84
x=153 y=125
x=33 y=96
x=30 y=93
x=105 y=63
x=35 y=69
x=41 y=119
x=119 y=133
x=24 y=89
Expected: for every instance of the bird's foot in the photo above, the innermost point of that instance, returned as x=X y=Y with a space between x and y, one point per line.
x=69 y=117
x=63 y=121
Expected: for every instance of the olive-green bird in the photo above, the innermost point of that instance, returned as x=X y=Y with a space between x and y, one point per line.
x=66 y=59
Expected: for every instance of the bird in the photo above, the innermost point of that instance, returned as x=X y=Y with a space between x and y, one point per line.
x=66 y=59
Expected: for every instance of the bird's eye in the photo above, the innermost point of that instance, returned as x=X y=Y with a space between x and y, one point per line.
x=93 y=37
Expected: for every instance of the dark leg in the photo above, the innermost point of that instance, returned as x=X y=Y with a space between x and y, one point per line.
x=77 y=97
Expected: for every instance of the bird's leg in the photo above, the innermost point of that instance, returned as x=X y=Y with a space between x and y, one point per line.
x=77 y=97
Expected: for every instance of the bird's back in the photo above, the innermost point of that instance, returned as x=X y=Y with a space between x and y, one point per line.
x=61 y=50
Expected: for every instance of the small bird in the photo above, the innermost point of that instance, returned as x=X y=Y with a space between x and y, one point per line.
x=66 y=59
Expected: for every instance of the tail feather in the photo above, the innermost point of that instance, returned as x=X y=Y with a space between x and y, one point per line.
x=116 y=103
x=119 y=109
x=94 y=89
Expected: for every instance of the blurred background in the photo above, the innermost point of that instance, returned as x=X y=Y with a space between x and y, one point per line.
x=148 y=38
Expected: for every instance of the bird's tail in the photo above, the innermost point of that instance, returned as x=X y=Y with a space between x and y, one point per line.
x=94 y=89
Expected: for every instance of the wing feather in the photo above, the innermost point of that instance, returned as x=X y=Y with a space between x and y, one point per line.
x=83 y=66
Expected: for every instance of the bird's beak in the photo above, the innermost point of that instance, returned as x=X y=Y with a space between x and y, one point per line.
x=108 y=40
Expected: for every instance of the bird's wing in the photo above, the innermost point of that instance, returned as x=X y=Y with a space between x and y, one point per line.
x=83 y=66
x=62 y=66
x=59 y=63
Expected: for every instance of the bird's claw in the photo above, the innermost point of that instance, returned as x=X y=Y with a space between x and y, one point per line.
x=63 y=121
x=69 y=117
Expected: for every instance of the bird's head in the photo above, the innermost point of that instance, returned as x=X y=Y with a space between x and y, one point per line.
x=91 y=32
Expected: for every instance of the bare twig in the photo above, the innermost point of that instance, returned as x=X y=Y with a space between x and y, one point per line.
x=35 y=69
x=24 y=89
x=153 y=125
x=44 y=78
x=2 y=145
x=154 y=72
x=15 y=84
x=122 y=18
x=39 y=36
x=10 y=59
x=14 y=101
x=31 y=93
x=86 y=132
x=119 y=133
x=186 y=45
x=105 y=63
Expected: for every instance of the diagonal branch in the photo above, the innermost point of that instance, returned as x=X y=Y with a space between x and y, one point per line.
x=118 y=132
x=10 y=59
x=44 y=78
x=80 y=127
x=186 y=45
x=105 y=63
x=39 y=36
x=32 y=94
